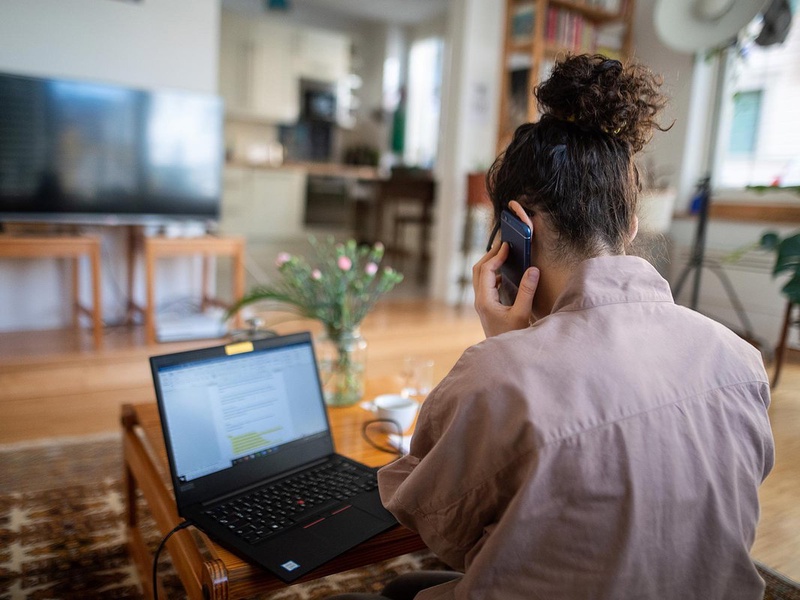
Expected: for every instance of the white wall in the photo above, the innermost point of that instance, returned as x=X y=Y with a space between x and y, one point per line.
x=471 y=93
x=149 y=44
x=667 y=151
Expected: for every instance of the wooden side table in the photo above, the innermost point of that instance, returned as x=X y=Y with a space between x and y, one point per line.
x=477 y=199
x=206 y=246
x=207 y=570
x=72 y=247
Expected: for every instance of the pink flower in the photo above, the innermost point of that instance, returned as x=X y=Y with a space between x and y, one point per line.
x=345 y=264
x=371 y=269
x=282 y=259
x=316 y=274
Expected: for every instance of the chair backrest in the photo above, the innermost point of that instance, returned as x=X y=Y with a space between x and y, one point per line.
x=408 y=188
x=404 y=172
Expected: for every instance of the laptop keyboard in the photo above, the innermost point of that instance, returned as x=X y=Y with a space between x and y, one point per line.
x=266 y=511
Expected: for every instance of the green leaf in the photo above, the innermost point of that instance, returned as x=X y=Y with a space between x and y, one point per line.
x=339 y=299
x=737 y=254
x=788 y=255
x=769 y=240
x=792 y=289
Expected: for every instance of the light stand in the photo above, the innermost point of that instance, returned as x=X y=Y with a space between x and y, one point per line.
x=697 y=262
x=697 y=259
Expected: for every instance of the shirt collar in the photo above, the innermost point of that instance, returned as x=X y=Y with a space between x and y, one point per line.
x=613 y=280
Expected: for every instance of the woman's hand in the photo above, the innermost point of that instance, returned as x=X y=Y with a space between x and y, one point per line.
x=496 y=318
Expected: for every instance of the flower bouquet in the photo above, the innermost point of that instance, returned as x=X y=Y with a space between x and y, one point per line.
x=338 y=286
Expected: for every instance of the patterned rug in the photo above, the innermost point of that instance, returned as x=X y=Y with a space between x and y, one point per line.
x=62 y=533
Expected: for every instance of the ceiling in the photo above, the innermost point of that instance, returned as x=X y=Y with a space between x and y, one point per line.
x=407 y=12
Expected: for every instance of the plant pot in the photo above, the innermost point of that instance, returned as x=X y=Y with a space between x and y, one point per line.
x=342 y=360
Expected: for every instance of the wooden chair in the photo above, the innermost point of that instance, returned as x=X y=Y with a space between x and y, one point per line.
x=408 y=196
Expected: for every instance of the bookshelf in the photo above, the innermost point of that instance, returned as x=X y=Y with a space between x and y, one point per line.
x=540 y=32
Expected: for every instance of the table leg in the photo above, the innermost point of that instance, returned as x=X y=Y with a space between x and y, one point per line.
x=182 y=548
x=76 y=292
x=215 y=580
x=149 y=308
x=97 y=307
x=238 y=282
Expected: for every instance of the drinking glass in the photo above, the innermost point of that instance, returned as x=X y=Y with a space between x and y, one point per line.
x=417 y=377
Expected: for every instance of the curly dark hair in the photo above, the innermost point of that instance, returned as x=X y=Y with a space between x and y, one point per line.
x=575 y=165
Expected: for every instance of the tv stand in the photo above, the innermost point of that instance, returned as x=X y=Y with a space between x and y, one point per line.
x=206 y=246
x=64 y=246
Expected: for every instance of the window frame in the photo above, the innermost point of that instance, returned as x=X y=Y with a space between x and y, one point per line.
x=776 y=205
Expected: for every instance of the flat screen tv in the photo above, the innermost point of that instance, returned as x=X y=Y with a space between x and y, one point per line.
x=84 y=152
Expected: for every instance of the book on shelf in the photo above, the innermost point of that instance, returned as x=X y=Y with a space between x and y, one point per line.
x=523 y=21
x=609 y=6
x=570 y=30
x=518 y=98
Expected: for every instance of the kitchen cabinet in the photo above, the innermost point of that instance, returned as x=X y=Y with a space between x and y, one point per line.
x=257 y=69
x=322 y=55
x=263 y=203
x=262 y=62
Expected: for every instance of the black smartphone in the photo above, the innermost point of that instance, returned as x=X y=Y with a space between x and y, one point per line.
x=518 y=236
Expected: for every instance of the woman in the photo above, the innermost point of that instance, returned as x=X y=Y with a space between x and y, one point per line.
x=602 y=442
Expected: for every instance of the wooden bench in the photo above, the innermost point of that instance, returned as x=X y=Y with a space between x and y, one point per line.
x=205 y=246
x=64 y=246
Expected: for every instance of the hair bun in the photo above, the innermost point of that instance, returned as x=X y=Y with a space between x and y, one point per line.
x=602 y=94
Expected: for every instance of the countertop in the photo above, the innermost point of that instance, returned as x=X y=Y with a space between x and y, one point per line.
x=364 y=173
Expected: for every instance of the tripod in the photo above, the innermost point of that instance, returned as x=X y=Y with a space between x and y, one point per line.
x=697 y=262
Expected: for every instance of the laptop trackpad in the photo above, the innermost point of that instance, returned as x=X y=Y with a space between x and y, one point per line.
x=343 y=526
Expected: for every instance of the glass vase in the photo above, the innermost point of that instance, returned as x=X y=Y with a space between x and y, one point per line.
x=342 y=358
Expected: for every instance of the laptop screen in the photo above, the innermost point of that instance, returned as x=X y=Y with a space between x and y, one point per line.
x=226 y=410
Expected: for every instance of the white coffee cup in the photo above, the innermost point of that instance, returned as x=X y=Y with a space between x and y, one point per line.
x=396 y=408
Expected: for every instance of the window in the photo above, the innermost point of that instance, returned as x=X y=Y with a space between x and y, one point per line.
x=744 y=123
x=759 y=143
x=424 y=101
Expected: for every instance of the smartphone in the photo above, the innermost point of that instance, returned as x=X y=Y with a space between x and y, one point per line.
x=518 y=236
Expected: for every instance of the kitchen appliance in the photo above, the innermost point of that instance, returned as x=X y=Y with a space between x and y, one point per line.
x=312 y=138
x=319 y=101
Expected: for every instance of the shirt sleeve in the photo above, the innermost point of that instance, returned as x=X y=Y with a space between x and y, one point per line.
x=448 y=488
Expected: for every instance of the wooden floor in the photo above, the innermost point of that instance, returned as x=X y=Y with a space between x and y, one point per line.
x=54 y=384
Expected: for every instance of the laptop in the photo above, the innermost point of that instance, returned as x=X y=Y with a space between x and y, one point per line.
x=252 y=458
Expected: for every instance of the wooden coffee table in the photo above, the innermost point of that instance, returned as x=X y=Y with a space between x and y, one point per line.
x=206 y=569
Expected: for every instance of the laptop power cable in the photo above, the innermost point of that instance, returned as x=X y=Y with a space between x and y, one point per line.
x=397 y=451
x=178 y=527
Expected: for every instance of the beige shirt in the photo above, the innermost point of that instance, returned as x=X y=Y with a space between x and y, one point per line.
x=613 y=450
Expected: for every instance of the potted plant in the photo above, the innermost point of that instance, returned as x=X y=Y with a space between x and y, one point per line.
x=338 y=286
x=787 y=260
